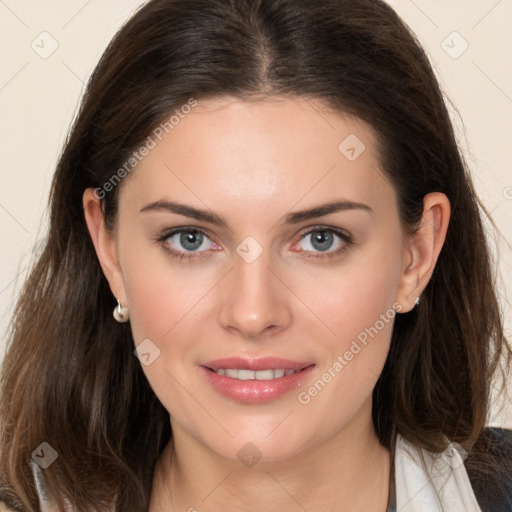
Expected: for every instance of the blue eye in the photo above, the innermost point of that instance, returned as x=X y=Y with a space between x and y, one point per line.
x=190 y=239
x=322 y=239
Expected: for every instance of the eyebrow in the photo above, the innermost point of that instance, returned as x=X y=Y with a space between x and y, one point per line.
x=291 y=218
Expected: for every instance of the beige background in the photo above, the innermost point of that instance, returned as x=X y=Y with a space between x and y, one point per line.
x=49 y=49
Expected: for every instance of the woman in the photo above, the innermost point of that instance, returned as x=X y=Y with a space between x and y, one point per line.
x=266 y=284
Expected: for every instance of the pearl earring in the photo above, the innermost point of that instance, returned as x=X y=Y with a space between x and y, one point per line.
x=121 y=313
x=417 y=301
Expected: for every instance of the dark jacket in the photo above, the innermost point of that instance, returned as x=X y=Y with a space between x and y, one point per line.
x=492 y=480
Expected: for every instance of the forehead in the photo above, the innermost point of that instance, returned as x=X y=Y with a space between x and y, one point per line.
x=268 y=155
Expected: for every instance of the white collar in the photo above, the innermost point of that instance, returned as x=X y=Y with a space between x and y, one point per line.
x=416 y=488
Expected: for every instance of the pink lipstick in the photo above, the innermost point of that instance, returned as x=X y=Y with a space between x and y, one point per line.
x=256 y=380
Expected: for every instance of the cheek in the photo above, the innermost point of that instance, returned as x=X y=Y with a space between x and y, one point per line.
x=356 y=294
x=154 y=308
x=165 y=305
x=160 y=292
x=356 y=308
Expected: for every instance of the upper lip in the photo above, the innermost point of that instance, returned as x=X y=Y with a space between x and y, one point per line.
x=263 y=363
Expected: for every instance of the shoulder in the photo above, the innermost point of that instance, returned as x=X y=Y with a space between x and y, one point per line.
x=502 y=436
x=489 y=468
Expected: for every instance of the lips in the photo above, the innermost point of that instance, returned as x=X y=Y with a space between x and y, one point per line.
x=238 y=384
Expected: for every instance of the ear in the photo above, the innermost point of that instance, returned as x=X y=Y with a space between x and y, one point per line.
x=104 y=243
x=422 y=249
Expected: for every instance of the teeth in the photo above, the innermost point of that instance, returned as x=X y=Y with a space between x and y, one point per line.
x=251 y=375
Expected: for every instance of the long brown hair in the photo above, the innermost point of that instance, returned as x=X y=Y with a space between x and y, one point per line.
x=70 y=378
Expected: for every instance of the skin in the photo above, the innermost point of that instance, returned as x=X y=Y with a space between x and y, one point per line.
x=253 y=163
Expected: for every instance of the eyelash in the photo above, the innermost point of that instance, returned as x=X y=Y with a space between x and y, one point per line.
x=345 y=237
x=187 y=255
x=191 y=255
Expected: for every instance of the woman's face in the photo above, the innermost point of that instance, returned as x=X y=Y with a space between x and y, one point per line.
x=251 y=277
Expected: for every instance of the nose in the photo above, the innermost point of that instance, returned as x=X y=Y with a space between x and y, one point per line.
x=255 y=300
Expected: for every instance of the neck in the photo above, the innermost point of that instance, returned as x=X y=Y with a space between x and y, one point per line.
x=348 y=471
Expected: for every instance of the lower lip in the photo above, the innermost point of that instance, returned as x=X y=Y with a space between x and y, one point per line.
x=256 y=391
